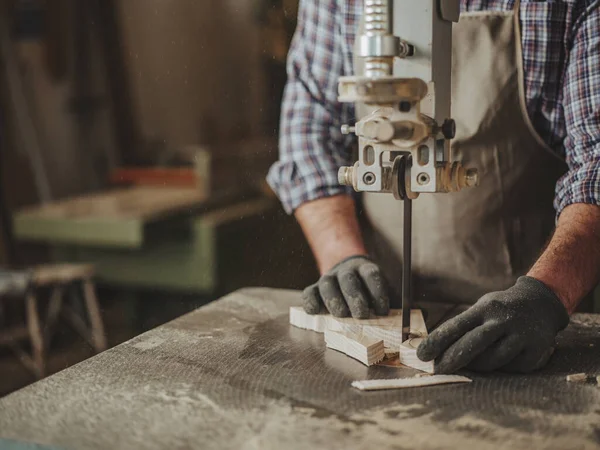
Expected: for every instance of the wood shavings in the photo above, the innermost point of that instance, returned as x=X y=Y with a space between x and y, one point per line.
x=401 y=383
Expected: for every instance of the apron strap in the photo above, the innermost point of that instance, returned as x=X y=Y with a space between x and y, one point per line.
x=521 y=75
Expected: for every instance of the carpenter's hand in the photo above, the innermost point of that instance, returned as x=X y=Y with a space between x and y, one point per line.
x=512 y=330
x=353 y=286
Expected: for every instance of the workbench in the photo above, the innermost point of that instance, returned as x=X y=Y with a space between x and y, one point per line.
x=235 y=374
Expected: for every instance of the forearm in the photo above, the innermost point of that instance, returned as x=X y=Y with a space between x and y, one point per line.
x=331 y=228
x=570 y=265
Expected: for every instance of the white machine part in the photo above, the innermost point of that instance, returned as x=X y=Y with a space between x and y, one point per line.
x=404 y=143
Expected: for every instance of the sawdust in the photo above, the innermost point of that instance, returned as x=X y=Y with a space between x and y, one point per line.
x=149 y=343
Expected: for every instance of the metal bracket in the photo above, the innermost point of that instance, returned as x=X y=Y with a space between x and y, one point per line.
x=450 y=10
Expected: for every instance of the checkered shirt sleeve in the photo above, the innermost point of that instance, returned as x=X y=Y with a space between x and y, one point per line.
x=311 y=145
x=581 y=104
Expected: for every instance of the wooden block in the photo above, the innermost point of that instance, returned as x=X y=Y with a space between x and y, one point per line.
x=366 y=350
x=577 y=378
x=400 y=383
x=388 y=328
x=314 y=322
x=408 y=356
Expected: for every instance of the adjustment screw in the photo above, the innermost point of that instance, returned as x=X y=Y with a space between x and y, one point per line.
x=347 y=129
x=345 y=176
x=449 y=128
x=369 y=178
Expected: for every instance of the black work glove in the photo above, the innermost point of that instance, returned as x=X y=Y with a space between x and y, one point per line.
x=512 y=330
x=353 y=286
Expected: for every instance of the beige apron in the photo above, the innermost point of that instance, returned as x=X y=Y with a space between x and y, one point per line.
x=481 y=239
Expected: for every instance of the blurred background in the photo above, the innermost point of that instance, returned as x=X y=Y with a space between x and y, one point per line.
x=135 y=137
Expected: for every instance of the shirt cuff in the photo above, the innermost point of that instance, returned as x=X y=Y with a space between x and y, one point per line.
x=294 y=190
x=579 y=185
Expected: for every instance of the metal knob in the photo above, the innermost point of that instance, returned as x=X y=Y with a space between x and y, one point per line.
x=346 y=176
x=347 y=129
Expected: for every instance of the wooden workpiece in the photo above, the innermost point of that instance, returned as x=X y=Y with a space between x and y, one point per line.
x=362 y=348
x=408 y=356
x=369 y=333
x=385 y=328
x=313 y=322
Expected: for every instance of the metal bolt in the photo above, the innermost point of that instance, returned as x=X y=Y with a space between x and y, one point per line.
x=369 y=178
x=347 y=129
x=423 y=178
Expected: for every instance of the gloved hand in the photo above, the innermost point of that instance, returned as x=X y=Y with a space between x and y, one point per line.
x=512 y=330
x=353 y=286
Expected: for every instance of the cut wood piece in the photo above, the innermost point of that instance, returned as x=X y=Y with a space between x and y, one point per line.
x=408 y=356
x=400 y=383
x=366 y=350
x=577 y=378
x=385 y=328
x=314 y=322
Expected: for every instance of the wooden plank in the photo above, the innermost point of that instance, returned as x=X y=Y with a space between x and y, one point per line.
x=61 y=273
x=313 y=322
x=401 y=383
x=388 y=328
x=113 y=218
x=140 y=202
x=408 y=349
x=364 y=349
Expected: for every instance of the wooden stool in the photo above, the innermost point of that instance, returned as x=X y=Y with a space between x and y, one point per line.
x=58 y=278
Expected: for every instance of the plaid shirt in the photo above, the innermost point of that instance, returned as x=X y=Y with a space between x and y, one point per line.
x=561 y=57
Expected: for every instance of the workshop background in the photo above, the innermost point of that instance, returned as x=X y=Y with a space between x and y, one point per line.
x=134 y=141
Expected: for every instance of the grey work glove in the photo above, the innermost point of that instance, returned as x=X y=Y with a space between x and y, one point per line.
x=512 y=330
x=352 y=287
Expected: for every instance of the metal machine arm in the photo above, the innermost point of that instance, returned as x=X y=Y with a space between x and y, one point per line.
x=406 y=83
x=403 y=144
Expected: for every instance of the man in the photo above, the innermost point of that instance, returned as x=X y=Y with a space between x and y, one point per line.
x=526 y=98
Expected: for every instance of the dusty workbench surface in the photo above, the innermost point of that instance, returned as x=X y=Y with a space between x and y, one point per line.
x=234 y=374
